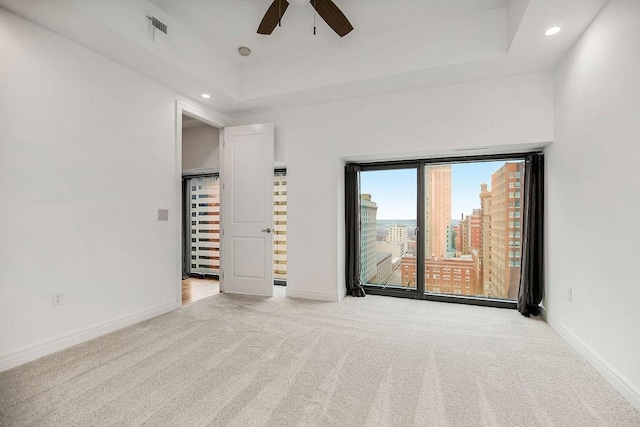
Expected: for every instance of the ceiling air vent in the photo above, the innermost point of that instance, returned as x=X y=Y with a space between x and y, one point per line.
x=156 y=23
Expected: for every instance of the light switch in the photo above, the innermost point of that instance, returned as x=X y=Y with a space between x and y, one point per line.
x=163 y=214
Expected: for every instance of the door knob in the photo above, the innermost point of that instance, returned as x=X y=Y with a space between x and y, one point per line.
x=266 y=230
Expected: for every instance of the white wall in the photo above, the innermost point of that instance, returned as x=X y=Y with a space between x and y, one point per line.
x=200 y=149
x=87 y=156
x=505 y=114
x=593 y=197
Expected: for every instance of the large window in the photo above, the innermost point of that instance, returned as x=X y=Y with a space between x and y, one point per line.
x=388 y=221
x=449 y=228
x=203 y=231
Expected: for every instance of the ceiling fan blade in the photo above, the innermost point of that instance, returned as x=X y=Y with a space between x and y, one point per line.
x=333 y=16
x=273 y=16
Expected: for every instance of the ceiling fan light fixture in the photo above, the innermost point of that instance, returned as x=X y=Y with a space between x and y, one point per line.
x=326 y=9
x=551 y=31
x=244 y=51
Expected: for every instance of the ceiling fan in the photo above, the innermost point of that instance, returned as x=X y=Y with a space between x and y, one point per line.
x=327 y=10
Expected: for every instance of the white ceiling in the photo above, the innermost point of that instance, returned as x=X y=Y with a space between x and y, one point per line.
x=396 y=45
x=227 y=24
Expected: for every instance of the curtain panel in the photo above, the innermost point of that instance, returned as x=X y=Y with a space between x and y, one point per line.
x=352 y=230
x=532 y=265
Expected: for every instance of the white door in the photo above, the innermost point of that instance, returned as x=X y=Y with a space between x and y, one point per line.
x=247 y=209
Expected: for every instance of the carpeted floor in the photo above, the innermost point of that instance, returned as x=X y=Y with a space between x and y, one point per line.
x=233 y=360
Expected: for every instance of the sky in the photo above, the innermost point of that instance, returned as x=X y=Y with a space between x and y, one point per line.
x=395 y=190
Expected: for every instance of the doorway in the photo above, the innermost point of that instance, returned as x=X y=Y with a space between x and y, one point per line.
x=201 y=209
x=245 y=169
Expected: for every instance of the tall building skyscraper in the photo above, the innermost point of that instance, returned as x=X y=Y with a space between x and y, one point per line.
x=465 y=225
x=437 y=210
x=474 y=224
x=506 y=230
x=469 y=230
x=398 y=234
x=368 y=234
x=485 y=238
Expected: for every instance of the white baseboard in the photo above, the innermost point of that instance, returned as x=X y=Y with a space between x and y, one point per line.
x=43 y=348
x=318 y=296
x=621 y=383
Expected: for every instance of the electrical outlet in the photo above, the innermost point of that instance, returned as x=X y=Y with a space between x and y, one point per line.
x=57 y=298
x=569 y=294
x=163 y=214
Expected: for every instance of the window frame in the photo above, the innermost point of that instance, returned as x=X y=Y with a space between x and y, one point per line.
x=419 y=165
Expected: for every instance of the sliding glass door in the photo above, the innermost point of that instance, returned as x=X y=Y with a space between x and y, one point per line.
x=388 y=225
x=447 y=228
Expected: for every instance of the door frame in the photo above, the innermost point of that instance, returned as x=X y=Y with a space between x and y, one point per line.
x=213 y=120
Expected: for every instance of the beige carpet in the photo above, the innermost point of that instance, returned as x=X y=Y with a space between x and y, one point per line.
x=232 y=360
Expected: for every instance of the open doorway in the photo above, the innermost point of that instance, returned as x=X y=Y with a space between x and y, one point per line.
x=200 y=147
x=201 y=210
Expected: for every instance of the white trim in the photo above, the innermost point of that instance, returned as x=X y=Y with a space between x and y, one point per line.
x=611 y=374
x=318 y=296
x=216 y=122
x=46 y=347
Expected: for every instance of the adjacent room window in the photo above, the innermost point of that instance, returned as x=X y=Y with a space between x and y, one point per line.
x=421 y=219
x=280 y=225
x=206 y=228
x=205 y=224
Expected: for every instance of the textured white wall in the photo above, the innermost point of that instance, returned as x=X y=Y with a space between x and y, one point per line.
x=200 y=149
x=593 y=196
x=87 y=156
x=315 y=141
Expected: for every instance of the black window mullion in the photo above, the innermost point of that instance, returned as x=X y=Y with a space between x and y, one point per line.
x=420 y=232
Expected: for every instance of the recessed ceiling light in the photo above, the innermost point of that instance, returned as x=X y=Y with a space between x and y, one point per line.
x=244 y=51
x=205 y=96
x=551 y=31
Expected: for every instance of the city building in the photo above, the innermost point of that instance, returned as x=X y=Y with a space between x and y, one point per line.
x=396 y=249
x=398 y=234
x=437 y=210
x=506 y=230
x=368 y=237
x=485 y=238
x=454 y=276
x=384 y=268
x=468 y=233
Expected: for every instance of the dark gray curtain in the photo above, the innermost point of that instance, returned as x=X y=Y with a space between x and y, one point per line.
x=352 y=227
x=532 y=265
x=186 y=236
